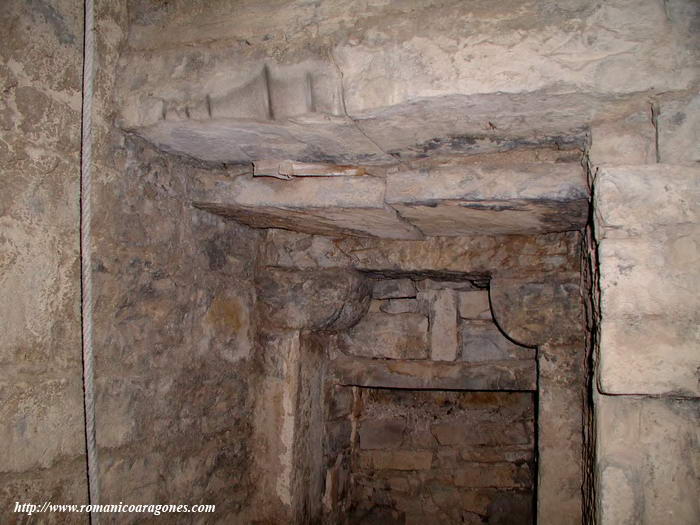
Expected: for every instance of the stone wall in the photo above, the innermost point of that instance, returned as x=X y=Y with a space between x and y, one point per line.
x=647 y=343
x=174 y=341
x=42 y=456
x=174 y=320
x=451 y=457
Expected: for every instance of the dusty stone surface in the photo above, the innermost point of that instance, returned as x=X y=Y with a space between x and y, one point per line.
x=42 y=427
x=319 y=300
x=171 y=291
x=649 y=279
x=361 y=87
x=323 y=205
x=630 y=140
x=442 y=315
x=447 y=456
x=482 y=341
x=648 y=463
x=474 y=304
x=562 y=388
x=447 y=198
x=393 y=289
x=538 y=309
x=511 y=374
x=454 y=199
x=392 y=336
x=401 y=306
x=441 y=259
x=679 y=130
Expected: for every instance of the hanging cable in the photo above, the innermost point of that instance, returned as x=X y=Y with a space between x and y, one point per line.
x=85 y=259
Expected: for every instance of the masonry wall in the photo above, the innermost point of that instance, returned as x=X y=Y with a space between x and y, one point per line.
x=42 y=436
x=452 y=457
x=646 y=395
x=174 y=342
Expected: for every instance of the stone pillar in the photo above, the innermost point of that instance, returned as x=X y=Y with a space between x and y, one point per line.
x=545 y=311
x=647 y=225
x=289 y=433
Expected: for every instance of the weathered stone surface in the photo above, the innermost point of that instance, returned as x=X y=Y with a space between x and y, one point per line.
x=442 y=315
x=359 y=88
x=562 y=389
x=482 y=341
x=319 y=300
x=174 y=324
x=401 y=306
x=649 y=280
x=322 y=205
x=670 y=194
x=461 y=433
x=499 y=375
x=436 y=262
x=393 y=289
x=466 y=199
x=497 y=475
x=538 y=309
x=392 y=336
x=474 y=304
x=477 y=257
x=631 y=140
x=679 y=131
x=470 y=198
x=42 y=429
x=482 y=480
x=382 y=433
x=396 y=459
x=648 y=462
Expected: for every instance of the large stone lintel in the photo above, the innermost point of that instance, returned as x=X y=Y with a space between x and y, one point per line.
x=441 y=200
x=381 y=373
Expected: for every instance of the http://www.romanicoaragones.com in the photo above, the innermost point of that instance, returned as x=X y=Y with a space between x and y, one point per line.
x=155 y=510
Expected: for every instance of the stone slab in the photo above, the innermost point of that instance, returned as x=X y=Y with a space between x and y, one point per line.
x=390 y=336
x=474 y=304
x=463 y=199
x=648 y=466
x=375 y=89
x=393 y=289
x=442 y=308
x=377 y=373
x=323 y=205
x=649 y=280
x=482 y=341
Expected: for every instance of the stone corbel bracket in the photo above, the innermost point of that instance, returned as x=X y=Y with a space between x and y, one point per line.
x=538 y=310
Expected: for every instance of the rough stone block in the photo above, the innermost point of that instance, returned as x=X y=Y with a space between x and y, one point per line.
x=628 y=141
x=679 y=131
x=462 y=433
x=396 y=459
x=459 y=200
x=474 y=304
x=321 y=300
x=670 y=195
x=648 y=461
x=514 y=374
x=235 y=101
x=393 y=289
x=382 y=433
x=401 y=306
x=649 y=282
x=319 y=205
x=442 y=308
x=392 y=336
x=496 y=475
x=482 y=341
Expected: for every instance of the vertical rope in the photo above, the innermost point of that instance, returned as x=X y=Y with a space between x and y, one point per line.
x=85 y=258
